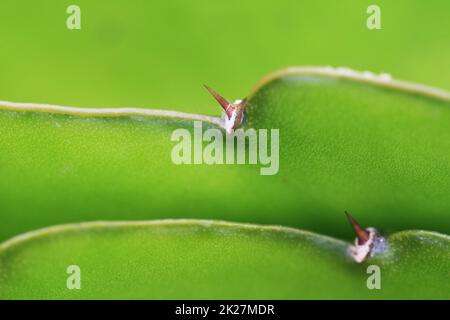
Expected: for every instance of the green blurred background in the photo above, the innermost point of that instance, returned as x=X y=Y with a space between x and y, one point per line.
x=157 y=54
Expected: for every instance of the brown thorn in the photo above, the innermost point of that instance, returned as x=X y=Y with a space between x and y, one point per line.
x=227 y=107
x=362 y=234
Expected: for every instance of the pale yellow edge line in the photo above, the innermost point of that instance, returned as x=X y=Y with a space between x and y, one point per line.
x=47 y=231
x=107 y=112
x=383 y=79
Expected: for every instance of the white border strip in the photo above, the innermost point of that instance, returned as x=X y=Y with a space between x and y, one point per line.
x=51 y=230
x=106 y=112
x=383 y=79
